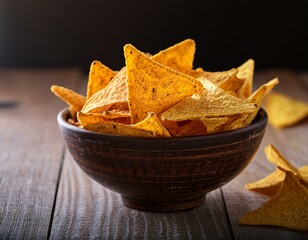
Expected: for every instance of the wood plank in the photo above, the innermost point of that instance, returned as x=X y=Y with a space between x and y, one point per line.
x=87 y=210
x=30 y=150
x=292 y=142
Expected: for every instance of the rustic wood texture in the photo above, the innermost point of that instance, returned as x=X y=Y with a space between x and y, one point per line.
x=30 y=150
x=44 y=194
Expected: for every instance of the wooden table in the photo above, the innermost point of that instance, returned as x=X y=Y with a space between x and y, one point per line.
x=44 y=194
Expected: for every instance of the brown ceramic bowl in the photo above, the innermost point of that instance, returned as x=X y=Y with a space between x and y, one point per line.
x=163 y=174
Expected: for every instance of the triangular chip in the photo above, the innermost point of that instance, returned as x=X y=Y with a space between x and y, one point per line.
x=257 y=98
x=115 y=93
x=214 y=124
x=73 y=99
x=153 y=87
x=210 y=102
x=246 y=71
x=284 y=111
x=89 y=118
x=179 y=57
x=192 y=128
x=274 y=156
x=152 y=124
x=287 y=208
x=99 y=77
x=268 y=185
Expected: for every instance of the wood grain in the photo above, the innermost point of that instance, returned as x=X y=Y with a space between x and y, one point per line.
x=292 y=142
x=30 y=150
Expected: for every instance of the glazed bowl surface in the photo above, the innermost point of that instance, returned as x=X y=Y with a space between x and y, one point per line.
x=163 y=174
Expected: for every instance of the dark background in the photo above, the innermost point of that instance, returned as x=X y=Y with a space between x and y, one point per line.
x=67 y=33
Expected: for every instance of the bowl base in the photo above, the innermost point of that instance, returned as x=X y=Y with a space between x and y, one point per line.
x=162 y=205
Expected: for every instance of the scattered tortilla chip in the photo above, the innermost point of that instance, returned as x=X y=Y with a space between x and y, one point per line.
x=99 y=77
x=284 y=111
x=179 y=57
x=73 y=99
x=246 y=71
x=274 y=156
x=268 y=185
x=287 y=208
x=210 y=102
x=153 y=87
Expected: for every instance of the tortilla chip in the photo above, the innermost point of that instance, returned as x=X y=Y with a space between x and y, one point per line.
x=246 y=71
x=284 y=111
x=179 y=57
x=257 y=98
x=287 y=208
x=268 y=185
x=190 y=128
x=210 y=102
x=89 y=118
x=152 y=124
x=153 y=87
x=99 y=77
x=274 y=156
x=73 y=99
x=303 y=171
x=214 y=124
x=115 y=93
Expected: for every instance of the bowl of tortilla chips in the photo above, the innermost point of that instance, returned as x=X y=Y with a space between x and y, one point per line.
x=161 y=133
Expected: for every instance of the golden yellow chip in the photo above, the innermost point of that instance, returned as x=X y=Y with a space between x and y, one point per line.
x=268 y=185
x=152 y=124
x=303 y=171
x=214 y=124
x=99 y=77
x=284 y=111
x=116 y=114
x=210 y=102
x=149 y=127
x=153 y=87
x=274 y=156
x=287 y=208
x=89 y=118
x=257 y=98
x=246 y=71
x=114 y=93
x=73 y=99
x=179 y=57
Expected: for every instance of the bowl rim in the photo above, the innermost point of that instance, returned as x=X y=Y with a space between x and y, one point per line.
x=261 y=122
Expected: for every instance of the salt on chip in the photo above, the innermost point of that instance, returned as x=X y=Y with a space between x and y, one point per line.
x=179 y=57
x=210 y=102
x=153 y=87
x=115 y=93
x=246 y=71
x=284 y=111
x=99 y=77
x=75 y=100
x=287 y=208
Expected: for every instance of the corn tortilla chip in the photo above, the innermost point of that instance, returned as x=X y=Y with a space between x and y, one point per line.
x=99 y=77
x=284 y=111
x=89 y=118
x=153 y=87
x=179 y=57
x=210 y=102
x=115 y=93
x=246 y=71
x=287 y=208
x=73 y=99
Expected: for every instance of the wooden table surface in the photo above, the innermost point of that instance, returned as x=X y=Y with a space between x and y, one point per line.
x=45 y=195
